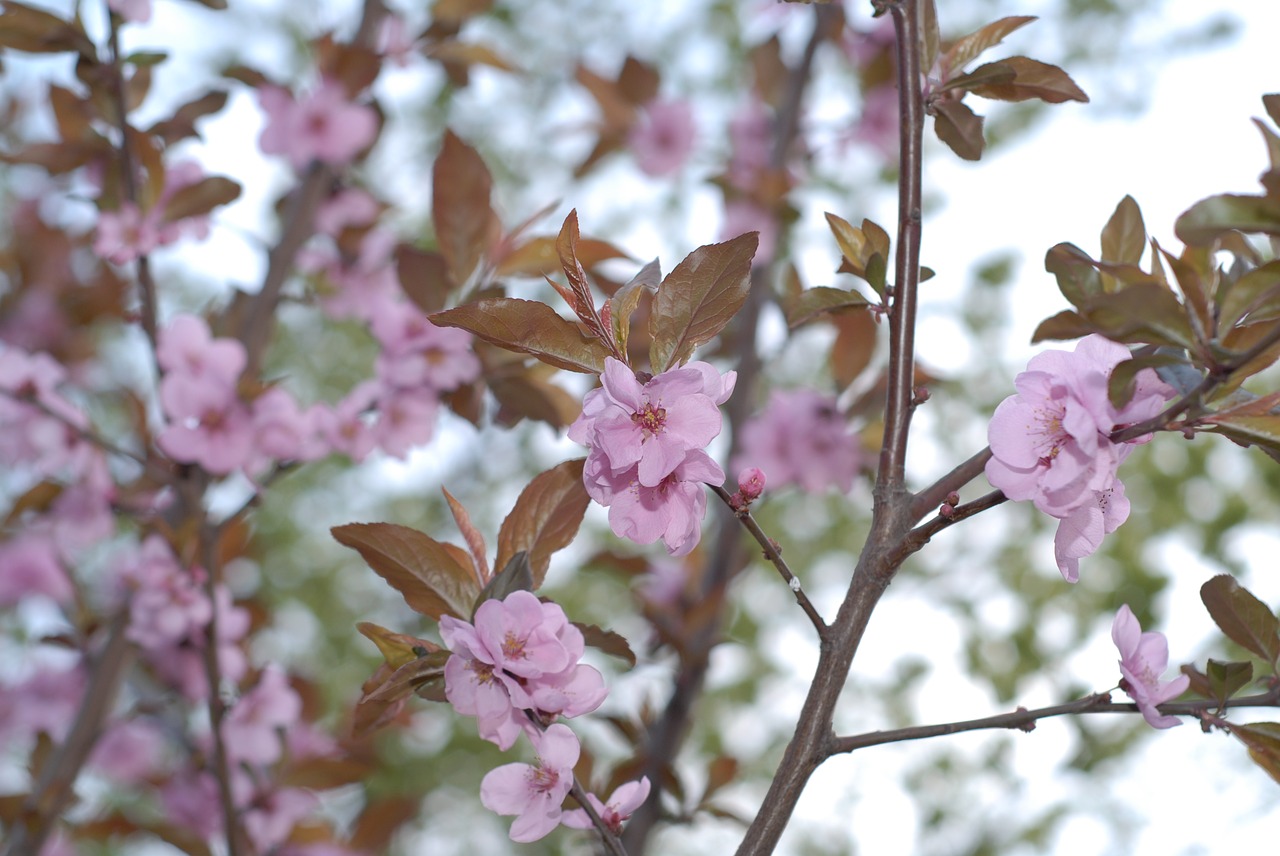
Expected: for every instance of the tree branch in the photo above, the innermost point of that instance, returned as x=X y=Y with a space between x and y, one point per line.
x=1025 y=720
x=773 y=554
x=935 y=494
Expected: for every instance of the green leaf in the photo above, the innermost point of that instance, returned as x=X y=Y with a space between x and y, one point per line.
x=1124 y=238
x=820 y=300
x=528 y=327
x=1263 y=742
x=516 y=575
x=425 y=573
x=1245 y=620
x=967 y=48
x=545 y=518
x=1078 y=279
x=200 y=198
x=1032 y=79
x=1226 y=679
x=960 y=128
x=607 y=641
x=465 y=224
x=698 y=298
x=1204 y=221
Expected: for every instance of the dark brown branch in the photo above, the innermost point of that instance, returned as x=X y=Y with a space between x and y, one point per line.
x=611 y=842
x=921 y=535
x=1025 y=720
x=935 y=494
x=902 y=309
x=771 y=552
x=880 y=556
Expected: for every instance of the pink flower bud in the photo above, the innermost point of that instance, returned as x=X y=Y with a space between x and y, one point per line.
x=751 y=483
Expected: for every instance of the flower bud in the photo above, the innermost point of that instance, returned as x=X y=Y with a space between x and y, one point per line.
x=751 y=483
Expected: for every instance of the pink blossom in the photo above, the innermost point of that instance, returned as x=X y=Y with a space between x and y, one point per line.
x=1050 y=442
x=253 y=728
x=662 y=137
x=623 y=802
x=1143 y=658
x=325 y=125
x=29 y=566
x=394 y=41
x=652 y=426
x=129 y=751
x=417 y=353
x=751 y=483
x=38 y=426
x=47 y=702
x=406 y=418
x=209 y=425
x=347 y=427
x=746 y=215
x=272 y=815
x=1080 y=532
x=348 y=208
x=191 y=802
x=520 y=654
x=125 y=234
x=284 y=432
x=802 y=439
x=672 y=510
x=877 y=125
x=186 y=347
x=168 y=604
x=751 y=136
x=534 y=792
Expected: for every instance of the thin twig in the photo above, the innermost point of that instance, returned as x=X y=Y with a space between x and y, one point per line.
x=146 y=284
x=217 y=709
x=933 y=496
x=772 y=553
x=920 y=536
x=611 y=842
x=1025 y=720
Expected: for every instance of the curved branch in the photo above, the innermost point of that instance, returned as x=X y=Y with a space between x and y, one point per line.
x=934 y=495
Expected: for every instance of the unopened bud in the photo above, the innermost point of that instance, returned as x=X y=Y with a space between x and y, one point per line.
x=952 y=499
x=947 y=510
x=751 y=483
x=920 y=395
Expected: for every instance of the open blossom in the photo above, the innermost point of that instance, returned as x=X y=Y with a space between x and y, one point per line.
x=534 y=792
x=323 y=125
x=662 y=137
x=128 y=232
x=671 y=510
x=802 y=439
x=1143 y=659
x=520 y=654
x=254 y=727
x=622 y=803
x=1051 y=442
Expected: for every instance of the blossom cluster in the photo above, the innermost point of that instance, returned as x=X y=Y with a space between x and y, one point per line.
x=129 y=232
x=516 y=668
x=647 y=461
x=801 y=439
x=1050 y=443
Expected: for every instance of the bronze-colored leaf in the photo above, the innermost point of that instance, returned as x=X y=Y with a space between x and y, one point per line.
x=200 y=198
x=1260 y=431
x=515 y=575
x=430 y=579
x=25 y=28
x=470 y=534
x=424 y=278
x=1207 y=219
x=182 y=124
x=1078 y=278
x=527 y=396
x=607 y=641
x=583 y=303
x=854 y=346
x=465 y=224
x=528 y=327
x=1032 y=79
x=396 y=648
x=1124 y=238
x=545 y=518
x=698 y=298
x=538 y=256
x=1226 y=679
x=820 y=300
x=1263 y=741
x=1123 y=381
x=1255 y=296
x=960 y=128
x=967 y=48
x=1271 y=103
x=624 y=302
x=1244 y=619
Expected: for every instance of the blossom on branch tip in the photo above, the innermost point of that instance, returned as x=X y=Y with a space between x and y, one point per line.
x=534 y=792
x=1143 y=658
x=623 y=802
x=324 y=125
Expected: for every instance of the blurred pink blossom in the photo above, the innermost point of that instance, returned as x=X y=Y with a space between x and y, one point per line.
x=323 y=125
x=746 y=215
x=1144 y=657
x=802 y=439
x=534 y=792
x=662 y=137
x=254 y=727
x=129 y=751
x=29 y=567
x=136 y=11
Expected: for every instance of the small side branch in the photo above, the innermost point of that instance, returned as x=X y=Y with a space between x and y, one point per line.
x=920 y=536
x=612 y=844
x=773 y=553
x=1025 y=720
x=934 y=495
